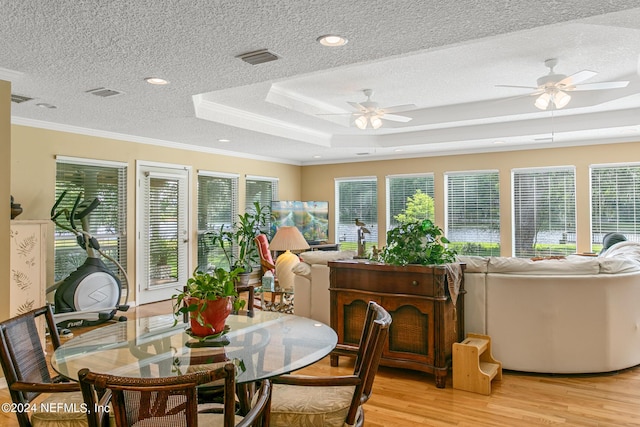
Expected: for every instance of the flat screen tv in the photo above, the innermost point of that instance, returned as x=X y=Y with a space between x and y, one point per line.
x=310 y=217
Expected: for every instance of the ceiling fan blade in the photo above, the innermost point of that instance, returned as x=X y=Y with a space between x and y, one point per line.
x=399 y=108
x=602 y=85
x=357 y=106
x=576 y=78
x=396 y=118
x=519 y=87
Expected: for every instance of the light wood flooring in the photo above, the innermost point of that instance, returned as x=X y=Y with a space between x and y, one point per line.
x=409 y=398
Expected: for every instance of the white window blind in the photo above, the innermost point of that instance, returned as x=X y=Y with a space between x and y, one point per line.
x=409 y=198
x=544 y=211
x=615 y=202
x=92 y=179
x=260 y=189
x=473 y=212
x=356 y=199
x=217 y=207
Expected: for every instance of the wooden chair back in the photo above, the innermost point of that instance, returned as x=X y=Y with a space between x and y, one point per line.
x=167 y=401
x=23 y=359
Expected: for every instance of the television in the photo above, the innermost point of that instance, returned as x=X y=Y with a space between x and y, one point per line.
x=310 y=217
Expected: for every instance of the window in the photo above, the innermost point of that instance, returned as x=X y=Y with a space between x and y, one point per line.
x=356 y=199
x=544 y=211
x=217 y=207
x=260 y=189
x=91 y=179
x=472 y=222
x=409 y=198
x=615 y=202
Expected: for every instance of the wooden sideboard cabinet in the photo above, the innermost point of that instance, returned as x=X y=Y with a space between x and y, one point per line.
x=425 y=321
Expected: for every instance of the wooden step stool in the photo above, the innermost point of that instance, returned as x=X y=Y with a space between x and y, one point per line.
x=474 y=366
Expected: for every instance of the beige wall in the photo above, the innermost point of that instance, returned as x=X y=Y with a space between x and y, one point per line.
x=318 y=181
x=33 y=174
x=5 y=193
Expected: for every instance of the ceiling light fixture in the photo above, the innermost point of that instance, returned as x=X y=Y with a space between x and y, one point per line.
x=368 y=120
x=332 y=40
x=156 y=81
x=554 y=97
x=224 y=140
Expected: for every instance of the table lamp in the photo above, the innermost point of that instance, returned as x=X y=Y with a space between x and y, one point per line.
x=287 y=239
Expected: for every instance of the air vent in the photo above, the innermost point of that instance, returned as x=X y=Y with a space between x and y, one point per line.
x=104 y=92
x=19 y=99
x=258 y=57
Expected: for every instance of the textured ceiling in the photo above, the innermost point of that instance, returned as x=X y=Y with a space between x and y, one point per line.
x=444 y=57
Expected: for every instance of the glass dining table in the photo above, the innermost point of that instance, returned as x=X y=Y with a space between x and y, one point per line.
x=263 y=346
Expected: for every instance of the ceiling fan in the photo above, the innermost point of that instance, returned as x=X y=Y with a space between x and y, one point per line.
x=371 y=115
x=552 y=88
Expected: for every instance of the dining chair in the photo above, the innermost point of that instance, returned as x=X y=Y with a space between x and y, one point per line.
x=25 y=369
x=167 y=401
x=333 y=400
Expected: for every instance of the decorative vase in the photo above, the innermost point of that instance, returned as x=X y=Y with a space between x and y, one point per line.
x=215 y=314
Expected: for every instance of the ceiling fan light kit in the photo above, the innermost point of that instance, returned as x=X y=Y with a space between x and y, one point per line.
x=553 y=87
x=370 y=115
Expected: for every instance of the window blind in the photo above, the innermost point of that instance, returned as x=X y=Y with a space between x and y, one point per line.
x=92 y=179
x=356 y=198
x=217 y=207
x=615 y=202
x=409 y=198
x=472 y=222
x=260 y=189
x=544 y=211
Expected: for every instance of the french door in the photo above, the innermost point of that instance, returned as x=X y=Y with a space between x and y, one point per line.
x=163 y=231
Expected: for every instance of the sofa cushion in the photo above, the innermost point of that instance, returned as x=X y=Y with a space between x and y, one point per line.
x=323 y=257
x=618 y=265
x=473 y=263
x=302 y=269
x=569 y=266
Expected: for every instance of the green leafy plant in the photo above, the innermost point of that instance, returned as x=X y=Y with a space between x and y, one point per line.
x=418 y=242
x=206 y=286
x=237 y=243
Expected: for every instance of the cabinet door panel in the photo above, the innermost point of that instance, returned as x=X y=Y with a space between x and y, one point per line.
x=411 y=336
x=353 y=307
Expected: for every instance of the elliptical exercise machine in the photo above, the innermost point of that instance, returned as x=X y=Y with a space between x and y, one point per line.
x=92 y=293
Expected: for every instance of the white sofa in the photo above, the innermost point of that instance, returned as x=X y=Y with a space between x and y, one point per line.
x=311 y=283
x=574 y=315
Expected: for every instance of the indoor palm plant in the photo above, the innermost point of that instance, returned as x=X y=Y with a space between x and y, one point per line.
x=237 y=243
x=416 y=242
x=208 y=298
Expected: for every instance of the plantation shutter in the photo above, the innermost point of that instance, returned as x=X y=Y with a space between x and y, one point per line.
x=400 y=188
x=91 y=179
x=473 y=212
x=217 y=207
x=544 y=211
x=615 y=202
x=356 y=198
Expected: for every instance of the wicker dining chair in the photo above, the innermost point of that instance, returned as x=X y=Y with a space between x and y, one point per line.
x=337 y=400
x=167 y=401
x=25 y=369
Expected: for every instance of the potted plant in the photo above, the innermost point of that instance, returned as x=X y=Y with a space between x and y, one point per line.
x=416 y=242
x=208 y=298
x=237 y=243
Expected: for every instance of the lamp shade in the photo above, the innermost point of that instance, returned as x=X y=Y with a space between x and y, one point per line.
x=288 y=238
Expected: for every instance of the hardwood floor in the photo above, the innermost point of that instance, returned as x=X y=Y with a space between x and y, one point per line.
x=409 y=398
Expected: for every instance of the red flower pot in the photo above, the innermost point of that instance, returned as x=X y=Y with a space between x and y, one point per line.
x=215 y=314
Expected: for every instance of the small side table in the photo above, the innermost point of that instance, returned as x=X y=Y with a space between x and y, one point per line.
x=281 y=299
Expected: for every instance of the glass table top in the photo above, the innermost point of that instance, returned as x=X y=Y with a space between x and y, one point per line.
x=264 y=346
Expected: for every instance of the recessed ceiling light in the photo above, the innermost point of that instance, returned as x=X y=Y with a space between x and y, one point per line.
x=332 y=40
x=224 y=140
x=44 y=105
x=397 y=150
x=156 y=81
x=498 y=142
x=317 y=156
